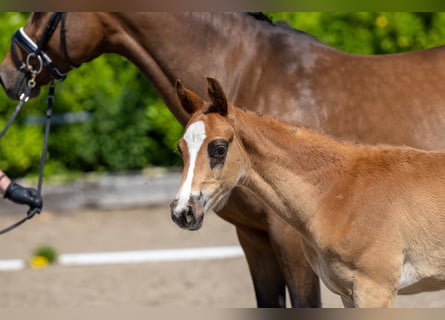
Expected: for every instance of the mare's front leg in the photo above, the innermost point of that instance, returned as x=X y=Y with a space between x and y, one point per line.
x=273 y=252
x=250 y=219
x=302 y=282
x=266 y=273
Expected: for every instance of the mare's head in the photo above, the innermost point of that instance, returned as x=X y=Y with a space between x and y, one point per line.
x=212 y=158
x=46 y=48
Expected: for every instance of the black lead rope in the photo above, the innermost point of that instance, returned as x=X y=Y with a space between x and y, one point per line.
x=33 y=211
x=23 y=98
x=49 y=112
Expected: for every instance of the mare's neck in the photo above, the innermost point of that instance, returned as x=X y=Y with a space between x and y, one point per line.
x=290 y=168
x=187 y=46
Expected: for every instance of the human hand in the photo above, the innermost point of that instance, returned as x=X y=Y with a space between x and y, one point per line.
x=22 y=195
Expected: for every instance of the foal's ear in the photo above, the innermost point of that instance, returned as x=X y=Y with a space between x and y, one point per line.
x=190 y=101
x=218 y=97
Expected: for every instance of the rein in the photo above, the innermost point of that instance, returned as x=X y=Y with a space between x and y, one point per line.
x=32 y=212
x=35 y=51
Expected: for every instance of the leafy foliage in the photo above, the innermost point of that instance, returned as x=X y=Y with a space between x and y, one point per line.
x=130 y=128
x=371 y=32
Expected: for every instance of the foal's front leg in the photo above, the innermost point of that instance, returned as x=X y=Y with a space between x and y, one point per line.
x=370 y=293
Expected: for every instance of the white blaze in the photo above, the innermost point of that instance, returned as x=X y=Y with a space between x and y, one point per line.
x=194 y=137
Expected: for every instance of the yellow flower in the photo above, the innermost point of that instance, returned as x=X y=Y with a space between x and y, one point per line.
x=381 y=21
x=38 y=262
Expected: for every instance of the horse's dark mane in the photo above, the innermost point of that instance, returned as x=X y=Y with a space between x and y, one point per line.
x=37 y=16
x=260 y=16
x=282 y=24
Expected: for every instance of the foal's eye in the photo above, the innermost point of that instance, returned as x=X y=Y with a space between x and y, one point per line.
x=217 y=151
x=220 y=151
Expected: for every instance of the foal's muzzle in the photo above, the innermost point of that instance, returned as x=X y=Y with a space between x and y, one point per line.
x=189 y=216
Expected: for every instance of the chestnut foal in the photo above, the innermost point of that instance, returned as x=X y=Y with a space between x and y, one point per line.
x=372 y=218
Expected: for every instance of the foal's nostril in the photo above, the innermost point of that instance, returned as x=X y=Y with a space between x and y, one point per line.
x=189 y=215
x=173 y=205
x=175 y=215
x=175 y=218
x=182 y=217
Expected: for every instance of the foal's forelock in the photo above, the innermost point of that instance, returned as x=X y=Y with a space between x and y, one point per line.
x=194 y=138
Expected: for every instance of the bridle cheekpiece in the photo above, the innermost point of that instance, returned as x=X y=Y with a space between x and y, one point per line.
x=36 y=51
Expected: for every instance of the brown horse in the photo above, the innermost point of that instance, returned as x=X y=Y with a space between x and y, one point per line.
x=372 y=219
x=395 y=99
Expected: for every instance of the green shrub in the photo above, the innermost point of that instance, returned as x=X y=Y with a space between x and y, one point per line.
x=47 y=252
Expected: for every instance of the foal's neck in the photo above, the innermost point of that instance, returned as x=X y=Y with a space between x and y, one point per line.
x=290 y=168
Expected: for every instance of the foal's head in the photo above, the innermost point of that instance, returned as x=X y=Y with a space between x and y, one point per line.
x=211 y=155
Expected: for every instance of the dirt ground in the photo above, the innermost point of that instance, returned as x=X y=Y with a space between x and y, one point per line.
x=210 y=283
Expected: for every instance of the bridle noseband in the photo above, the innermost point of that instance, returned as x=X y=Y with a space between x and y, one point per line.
x=36 y=51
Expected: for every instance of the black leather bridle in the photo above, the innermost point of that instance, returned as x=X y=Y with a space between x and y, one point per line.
x=37 y=50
